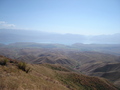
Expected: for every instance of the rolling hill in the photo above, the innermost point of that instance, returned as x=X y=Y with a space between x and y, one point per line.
x=16 y=75
x=110 y=71
x=89 y=62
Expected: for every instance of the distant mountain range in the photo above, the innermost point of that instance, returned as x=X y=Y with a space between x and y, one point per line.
x=11 y=36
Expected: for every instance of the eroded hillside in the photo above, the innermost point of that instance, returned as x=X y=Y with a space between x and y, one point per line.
x=46 y=77
x=90 y=63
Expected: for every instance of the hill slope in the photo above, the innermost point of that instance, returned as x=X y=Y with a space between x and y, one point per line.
x=46 y=77
x=110 y=71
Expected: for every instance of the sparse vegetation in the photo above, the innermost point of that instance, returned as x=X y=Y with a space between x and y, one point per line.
x=46 y=77
x=61 y=62
x=57 y=67
x=82 y=82
x=3 y=62
x=23 y=66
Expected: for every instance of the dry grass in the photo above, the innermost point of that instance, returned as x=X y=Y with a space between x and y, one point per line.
x=82 y=82
x=47 y=77
x=40 y=78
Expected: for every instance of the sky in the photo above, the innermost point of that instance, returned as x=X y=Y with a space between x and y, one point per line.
x=86 y=17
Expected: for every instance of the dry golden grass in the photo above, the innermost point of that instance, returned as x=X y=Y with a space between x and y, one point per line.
x=16 y=79
x=47 y=77
x=40 y=78
x=82 y=82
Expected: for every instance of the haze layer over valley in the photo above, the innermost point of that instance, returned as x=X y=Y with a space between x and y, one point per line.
x=12 y=35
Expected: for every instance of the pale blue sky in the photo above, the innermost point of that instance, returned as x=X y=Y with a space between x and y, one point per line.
x=88 y=17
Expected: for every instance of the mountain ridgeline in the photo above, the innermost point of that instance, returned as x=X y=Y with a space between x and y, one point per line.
x=14 y=35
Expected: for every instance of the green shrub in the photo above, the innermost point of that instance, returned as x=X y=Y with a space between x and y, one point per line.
x=23 y=66
x=3 y=62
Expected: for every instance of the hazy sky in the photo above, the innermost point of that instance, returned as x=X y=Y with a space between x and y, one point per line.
x=88 y=17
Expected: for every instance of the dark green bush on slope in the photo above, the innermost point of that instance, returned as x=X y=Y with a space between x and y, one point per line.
x=3 y=62
x=23 y=66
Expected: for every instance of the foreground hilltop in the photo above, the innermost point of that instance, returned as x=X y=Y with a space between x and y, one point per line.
x=16 y=75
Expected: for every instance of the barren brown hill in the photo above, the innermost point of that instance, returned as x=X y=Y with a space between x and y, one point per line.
x=16 y=75
x=33 y=55
x=87 y=62
x=109 y=71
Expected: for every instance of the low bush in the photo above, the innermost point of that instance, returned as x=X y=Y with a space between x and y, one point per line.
x=23 y=66
x=3 y=62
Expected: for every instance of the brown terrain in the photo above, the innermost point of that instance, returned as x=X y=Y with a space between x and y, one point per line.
x=91 y=63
